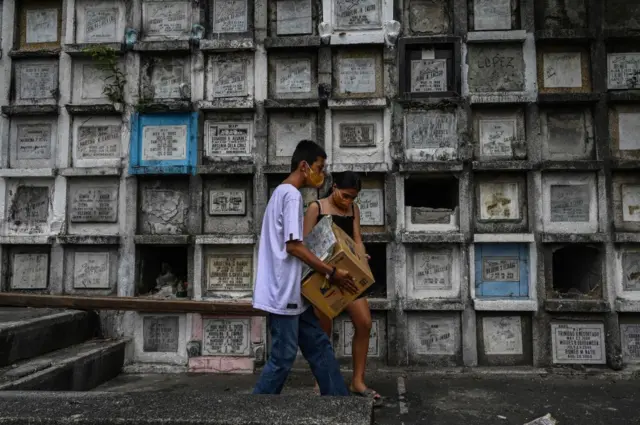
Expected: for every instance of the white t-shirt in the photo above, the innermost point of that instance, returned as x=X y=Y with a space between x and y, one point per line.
x=277 y=287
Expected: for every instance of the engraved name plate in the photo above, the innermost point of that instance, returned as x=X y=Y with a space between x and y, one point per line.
x=34 y=141
x=289 y=133
x=229 y=16
x=357 y=14
x=226 y=337
x=630 y=341
x=580 y=343
x=501 y=269
x=562 y=70
x=496 y=137
x=492 y=15
x=93 y=81
x=227 y=202
x=98 y=142
x=230 y=272
x=356 y=135
x=160 y=334
x=167 y=81
x=31 y=205
x=570 y=203
x=100 y=24
x=430 y=130
x=30 y=271
x=424 y=215
x=499 y=201
x=229 y=78
x=293 y=76
x=631 y=270
x=628 y=130
x=371 y=203
x=347 y=338
x=623 y=71
x=436 y=336
x=293 y=17
x=42 y=26
x=91 y=270
x=166 y=19
x=357 y=75
x=228 y=138
x=94 y=204
x=432 y=270
x=631 y=202
x=428 y=75
x=37 y=81
x=502 y=335
x=164 y=142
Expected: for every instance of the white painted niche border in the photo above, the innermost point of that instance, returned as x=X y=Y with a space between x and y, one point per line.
x=354 y=29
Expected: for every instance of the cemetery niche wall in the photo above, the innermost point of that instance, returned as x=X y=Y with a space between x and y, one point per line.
x=496 y=141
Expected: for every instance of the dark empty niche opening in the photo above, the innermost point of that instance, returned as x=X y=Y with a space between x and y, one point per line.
x=432 y=199
x=577 y=271
x=162 y=271
x=378 y=265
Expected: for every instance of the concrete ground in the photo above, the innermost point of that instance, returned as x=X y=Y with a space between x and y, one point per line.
x=449 y=399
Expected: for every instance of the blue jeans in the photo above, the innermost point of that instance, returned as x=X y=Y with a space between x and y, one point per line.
x=287 y=332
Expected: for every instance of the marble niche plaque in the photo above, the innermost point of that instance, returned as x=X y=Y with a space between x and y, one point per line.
x=623 y=71
x=630 y=202
x=98 y=142
x=164 y=142
x=94 y=204
x=430 y=130
x=227 y=202
x=371 y=203
x=429 y=16
x=166 y=19
x=228 y=337
x=569 y=203
x=499 y=201
x=491 y=15
x=165 y=211
x=228 y=138
x=293 y=17
x=91 y=270
x=357 y=75
x=628 y=130
x=229 y=78
x=580 y=343
x=160 y=334
x=168 y=79
x=31 y=204
x=289 y=133
x=34 y=141
x=428 y=75
x=293 y=76
x=502 y=335
x=30 y=271
x=347 y=338
x=357 y=14
x=566 y=133
x=630 y=341
x=436 y=337
x=100 y=24
x=562 y=70
x=501 y=269
x=357 y=135
x=230 y=272
x=230 y=16
x=432 y=270
x=93 y=81
x=37 y=81
x=631 y=270
x=496 y=137
x=42 y=26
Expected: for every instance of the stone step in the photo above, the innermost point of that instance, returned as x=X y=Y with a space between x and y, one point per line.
x=26 y=333
x=77 y=368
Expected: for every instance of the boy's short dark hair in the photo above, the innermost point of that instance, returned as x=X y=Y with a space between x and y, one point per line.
x=306 y=151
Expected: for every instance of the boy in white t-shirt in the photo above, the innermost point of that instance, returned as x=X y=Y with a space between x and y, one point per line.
x=278 y=288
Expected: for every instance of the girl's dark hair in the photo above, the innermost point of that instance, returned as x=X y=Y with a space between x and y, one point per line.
x=346 y=180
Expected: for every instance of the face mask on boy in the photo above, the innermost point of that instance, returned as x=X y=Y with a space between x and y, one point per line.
x=315 y=179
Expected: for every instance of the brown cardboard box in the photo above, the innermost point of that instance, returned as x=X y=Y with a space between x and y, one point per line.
x=348 y=256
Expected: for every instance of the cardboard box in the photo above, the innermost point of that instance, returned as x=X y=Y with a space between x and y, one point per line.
x=348 y=256
x=321 y=241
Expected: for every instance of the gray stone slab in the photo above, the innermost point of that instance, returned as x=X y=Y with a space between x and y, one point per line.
x=496 y=68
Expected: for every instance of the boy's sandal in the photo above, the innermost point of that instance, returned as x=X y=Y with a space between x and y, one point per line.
x=369 y=393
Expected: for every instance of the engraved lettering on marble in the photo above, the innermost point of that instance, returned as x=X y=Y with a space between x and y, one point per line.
x=164 y=142
x=94 y=204
x=357 y=14
x=228 y=138
x=496 y=68
x=91 y=270
x=631 y=270
x=357 y=75
x=100 y=24
x=628 y=131
x=496 y=137
x=499 y=201
x=227 y=202
x=562 y=70
x=160 y=334
x=98 y=142
x=30 y=271
x=167 y=81
x=30 y=205
x=229 y=272
x=501 y=269
x=428 y=75
x=432 y=270
x=229 y=16
x=502 y=335
x=226 y=337
x=430 y=130
x=293 y=76
x=93 y=81
x=37 y=81
x=357 y=135
x=578 y=343
x=630 y=334
x=570 y=203
x=371 y=203
x=624 y=71
x=34 y=141
x=347 y=338
x=631 y=202
x=166 y=211
x=566 y=133
x=229 y=78
x=429 y=16
x=166 y=19
x=289 y=133
x=42 y=26
x=492 y=15
x=425 y=215
x=293 y=17
x=436 y=336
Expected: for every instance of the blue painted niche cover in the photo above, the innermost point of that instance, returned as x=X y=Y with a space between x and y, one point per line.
x=164 y=143
x=502 y=270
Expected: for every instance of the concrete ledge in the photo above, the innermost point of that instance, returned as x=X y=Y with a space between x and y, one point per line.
x=190 y=407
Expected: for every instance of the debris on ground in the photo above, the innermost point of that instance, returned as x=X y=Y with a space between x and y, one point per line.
x=544 y=420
